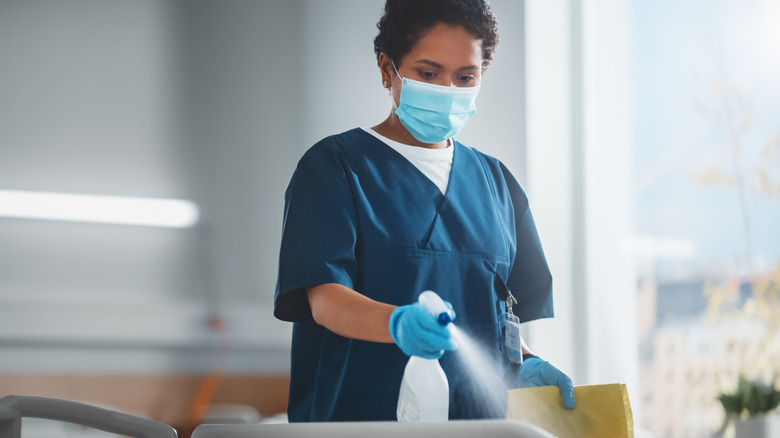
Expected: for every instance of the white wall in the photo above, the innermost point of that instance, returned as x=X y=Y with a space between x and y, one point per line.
x=340 y=82
x=499 y=127
x=184 y=99
x=551 y=174
x=87 y=106
x=89 y=115
x=609 y=195
x=579 y=161
x=203 y=100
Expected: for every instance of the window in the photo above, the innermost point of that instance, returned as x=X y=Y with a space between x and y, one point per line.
x=706 y=111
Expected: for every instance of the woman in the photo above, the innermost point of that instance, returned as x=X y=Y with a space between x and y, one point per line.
x=374 y=217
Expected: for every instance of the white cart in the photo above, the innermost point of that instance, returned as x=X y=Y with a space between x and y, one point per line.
x=13 y=408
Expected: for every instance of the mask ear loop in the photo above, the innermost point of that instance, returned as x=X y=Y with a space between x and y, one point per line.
x=396 y=70
x=388 y=88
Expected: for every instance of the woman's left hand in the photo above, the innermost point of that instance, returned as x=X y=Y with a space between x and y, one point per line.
x=537 y=372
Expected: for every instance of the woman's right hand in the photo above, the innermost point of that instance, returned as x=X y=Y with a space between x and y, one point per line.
x=418 y=333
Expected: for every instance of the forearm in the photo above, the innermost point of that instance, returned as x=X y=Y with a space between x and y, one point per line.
x=525 y=348
x=349 y=313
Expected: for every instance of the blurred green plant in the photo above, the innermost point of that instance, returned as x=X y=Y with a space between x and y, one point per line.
x=751 y=398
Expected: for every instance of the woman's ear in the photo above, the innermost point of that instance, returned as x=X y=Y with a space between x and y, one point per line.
x=386 y=69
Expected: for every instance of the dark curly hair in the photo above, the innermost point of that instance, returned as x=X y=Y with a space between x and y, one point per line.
x=404 y=22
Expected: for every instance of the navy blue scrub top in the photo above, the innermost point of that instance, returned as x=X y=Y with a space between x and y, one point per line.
x=359 y=214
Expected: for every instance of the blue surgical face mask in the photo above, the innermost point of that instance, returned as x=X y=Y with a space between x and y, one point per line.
x=434 y=113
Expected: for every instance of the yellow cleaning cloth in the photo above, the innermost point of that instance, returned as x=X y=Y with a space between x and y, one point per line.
x=601 y=411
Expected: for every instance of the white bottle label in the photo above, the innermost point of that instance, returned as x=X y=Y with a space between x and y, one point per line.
x=408 y=405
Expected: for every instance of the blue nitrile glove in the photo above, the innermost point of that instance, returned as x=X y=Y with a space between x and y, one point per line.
x=418 y=333
x=538 y=372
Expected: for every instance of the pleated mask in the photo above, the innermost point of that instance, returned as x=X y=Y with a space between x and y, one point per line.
x=434 y=113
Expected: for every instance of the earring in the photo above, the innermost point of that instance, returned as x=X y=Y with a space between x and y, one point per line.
x=387 y=85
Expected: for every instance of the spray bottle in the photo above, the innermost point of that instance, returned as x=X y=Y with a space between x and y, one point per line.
x=425 y=392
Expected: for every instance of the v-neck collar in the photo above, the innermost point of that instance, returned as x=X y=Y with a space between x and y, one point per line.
x=456 y=149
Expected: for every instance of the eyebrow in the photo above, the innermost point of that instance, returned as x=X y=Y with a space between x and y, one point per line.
x=435 y=64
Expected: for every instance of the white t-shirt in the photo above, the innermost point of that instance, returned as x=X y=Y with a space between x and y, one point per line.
x=433 y=163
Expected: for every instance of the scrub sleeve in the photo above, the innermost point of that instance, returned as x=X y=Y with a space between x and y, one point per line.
x=319 y=234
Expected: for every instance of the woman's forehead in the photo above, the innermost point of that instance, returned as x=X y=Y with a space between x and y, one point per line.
x=448 y=46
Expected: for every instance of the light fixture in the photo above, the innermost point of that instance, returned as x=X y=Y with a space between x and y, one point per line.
x=154 y=212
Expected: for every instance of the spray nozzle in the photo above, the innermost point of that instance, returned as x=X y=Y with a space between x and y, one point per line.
x=436 y=307
x=444 y=318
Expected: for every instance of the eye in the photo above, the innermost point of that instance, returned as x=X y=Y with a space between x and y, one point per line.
x=467 y=79
x=427 y=75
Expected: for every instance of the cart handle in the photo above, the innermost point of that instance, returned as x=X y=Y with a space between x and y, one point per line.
x=14 y=407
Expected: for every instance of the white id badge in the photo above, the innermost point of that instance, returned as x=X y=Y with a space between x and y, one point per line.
x=512 y=338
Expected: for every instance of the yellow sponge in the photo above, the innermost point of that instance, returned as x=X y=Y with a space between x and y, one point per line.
x=601 y=411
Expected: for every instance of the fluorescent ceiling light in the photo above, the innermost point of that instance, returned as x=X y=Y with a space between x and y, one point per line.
x=173 y=213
